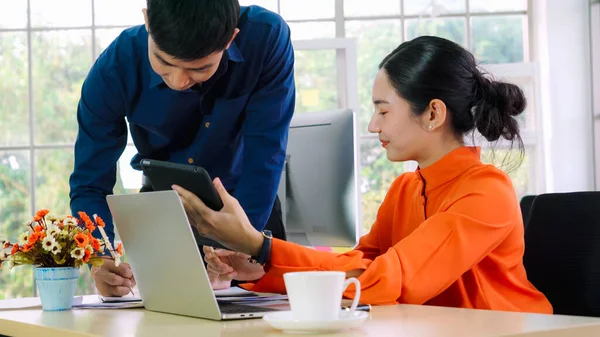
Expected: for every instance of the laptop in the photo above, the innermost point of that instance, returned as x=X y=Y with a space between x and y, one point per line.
x=166 y=260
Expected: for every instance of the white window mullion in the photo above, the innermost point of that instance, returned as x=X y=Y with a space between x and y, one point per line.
x=468 y=25
x=31 y=151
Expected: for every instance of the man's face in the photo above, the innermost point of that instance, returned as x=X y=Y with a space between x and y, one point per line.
x=180 y=75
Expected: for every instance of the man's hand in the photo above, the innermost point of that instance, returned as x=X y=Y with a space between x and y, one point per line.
x=229 y=226
x=111 y=280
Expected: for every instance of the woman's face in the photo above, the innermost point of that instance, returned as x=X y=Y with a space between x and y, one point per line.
x=401 y=133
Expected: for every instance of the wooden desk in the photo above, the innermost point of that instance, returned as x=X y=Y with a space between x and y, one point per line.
x=401 y=321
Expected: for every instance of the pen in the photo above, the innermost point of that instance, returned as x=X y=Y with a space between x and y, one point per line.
x=111 y=250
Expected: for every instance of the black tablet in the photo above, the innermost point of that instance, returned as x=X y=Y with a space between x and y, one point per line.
x=163 y=175
x=195 y=179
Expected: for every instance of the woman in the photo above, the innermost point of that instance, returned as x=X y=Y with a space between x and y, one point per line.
x=449 y=234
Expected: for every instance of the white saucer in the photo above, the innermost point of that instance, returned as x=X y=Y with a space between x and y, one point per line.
x=283 y=320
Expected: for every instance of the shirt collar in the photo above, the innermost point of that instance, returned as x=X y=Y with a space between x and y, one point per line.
x=232 y=54
x=450 y=166
x=155 y=78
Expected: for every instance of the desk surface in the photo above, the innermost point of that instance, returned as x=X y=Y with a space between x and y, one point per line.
x=400 y=320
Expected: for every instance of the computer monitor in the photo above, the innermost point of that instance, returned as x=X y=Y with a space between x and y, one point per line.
x=319 y=189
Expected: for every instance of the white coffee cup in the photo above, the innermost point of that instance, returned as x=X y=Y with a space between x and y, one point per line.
x=317 y=295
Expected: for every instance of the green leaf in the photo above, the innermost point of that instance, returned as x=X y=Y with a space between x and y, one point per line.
x=96 y=261
x=61 y=261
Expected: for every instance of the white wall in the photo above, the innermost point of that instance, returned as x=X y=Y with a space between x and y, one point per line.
x=561 y=32
x=595 y=39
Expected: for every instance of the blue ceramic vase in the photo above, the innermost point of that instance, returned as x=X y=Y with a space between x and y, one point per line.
x=56 y=287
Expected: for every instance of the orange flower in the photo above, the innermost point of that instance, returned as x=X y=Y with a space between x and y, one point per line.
x=81 y=240
x=95 y=244
x=26 y=248
x=61 y=226
x=120 y=248
x=100 y=222
x=86 y=256
x=38 y=228
x=15 y=249
x=6 y=244
x=33 y=238
x=37 y=218
x=84 y=217
x=42 y=213
x=90 y=226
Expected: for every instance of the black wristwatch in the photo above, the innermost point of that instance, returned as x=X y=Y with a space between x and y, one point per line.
x=265 y=251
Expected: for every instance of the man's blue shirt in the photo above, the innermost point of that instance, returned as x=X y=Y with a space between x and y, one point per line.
x=235 y=126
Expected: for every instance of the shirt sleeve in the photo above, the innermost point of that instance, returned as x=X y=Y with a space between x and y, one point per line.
x=265 y=130
x=101 y=139
x=423 y=264
x=369 y=243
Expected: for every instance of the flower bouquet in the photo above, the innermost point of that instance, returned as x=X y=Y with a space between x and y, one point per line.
x=57 y=248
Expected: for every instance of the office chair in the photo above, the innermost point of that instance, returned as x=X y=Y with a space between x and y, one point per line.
x=562 y=251
x=526 y=203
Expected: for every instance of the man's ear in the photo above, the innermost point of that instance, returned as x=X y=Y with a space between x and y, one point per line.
x=145 y=11
x=235 y=33
x=435 y=115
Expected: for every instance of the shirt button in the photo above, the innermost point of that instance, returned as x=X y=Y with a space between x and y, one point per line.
x=190 y=160
x=207 y=124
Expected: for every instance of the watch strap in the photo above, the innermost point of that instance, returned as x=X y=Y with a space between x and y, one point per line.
x=265 y=250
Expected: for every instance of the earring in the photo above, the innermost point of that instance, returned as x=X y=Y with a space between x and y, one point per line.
x=430 y=127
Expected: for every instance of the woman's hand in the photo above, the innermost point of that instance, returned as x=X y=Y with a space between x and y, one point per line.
x=229 y=226
x=224 y=266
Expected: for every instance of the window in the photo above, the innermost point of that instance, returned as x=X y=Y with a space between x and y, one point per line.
x=495 y=31
x=46 y=52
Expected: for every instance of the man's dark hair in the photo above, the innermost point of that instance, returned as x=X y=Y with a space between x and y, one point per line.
x=192 y=29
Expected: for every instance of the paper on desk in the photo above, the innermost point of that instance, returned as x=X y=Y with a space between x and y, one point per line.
x=124 y=299
x=230 y=292
x=252 y=299
x=109 y=305
x=127 y=298
x=234 y=292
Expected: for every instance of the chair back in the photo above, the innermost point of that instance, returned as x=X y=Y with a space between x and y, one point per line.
x=562 y=251
x=526 y=203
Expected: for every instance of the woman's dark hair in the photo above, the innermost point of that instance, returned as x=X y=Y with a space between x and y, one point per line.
x=189 y=30
x=430 y=67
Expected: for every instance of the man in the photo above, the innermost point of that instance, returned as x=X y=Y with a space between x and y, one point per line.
x=203 y=82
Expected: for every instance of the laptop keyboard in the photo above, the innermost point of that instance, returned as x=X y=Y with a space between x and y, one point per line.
x=230 y=308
